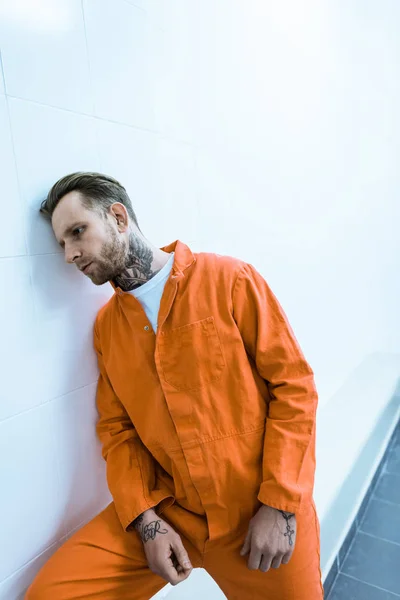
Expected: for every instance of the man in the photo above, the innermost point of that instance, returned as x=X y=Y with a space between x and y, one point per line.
x=206 y=417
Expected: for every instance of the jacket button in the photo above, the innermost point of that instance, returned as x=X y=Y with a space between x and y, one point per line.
x=146 y=328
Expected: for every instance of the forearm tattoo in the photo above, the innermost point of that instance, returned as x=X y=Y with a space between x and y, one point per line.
x=287 y=516
x=149 y=530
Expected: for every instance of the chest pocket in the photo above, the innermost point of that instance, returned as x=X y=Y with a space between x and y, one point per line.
x=191 y=356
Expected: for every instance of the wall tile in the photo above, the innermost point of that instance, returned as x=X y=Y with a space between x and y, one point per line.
x=66 y=304
x=164 y=15
x=388 y=488
x=174 y=83
x=15 y=586
x=47 y=347
x=382 y=519
x=351 y=589
x=12 y=239
x=118 y=44
x=18 y=339
x=393 y=458
x=128 y=154
x=30 y=488
x=59 y=142
x=2 y=87
x=177 y=214
x=347 y=543
x=331 y=577
x=159 y=177
x=143 y=4
x=219 y=191
x=374 y=561
x=84 y=484
x=44 y=53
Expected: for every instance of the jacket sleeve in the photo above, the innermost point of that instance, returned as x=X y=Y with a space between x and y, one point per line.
x=289 y=442
x=129 y=465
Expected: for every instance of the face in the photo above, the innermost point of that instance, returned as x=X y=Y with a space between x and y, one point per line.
x=95 y=244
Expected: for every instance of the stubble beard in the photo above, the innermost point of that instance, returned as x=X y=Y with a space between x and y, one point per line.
x=128 y=267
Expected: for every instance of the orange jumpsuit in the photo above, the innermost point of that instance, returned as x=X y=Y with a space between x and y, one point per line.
x=205 y=420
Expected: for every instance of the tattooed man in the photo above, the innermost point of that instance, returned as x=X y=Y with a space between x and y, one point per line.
x=206 y=410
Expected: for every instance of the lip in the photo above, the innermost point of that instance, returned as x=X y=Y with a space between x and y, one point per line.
x=84 y=270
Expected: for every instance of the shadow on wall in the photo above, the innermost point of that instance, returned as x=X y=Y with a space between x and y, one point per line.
x=66 y=305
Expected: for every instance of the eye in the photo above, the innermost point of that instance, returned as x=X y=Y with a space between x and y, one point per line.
x=78 y=230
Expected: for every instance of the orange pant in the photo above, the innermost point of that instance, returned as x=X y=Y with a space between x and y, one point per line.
x=102 y=561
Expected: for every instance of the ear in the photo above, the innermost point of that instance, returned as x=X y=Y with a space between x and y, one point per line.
x=119 y=213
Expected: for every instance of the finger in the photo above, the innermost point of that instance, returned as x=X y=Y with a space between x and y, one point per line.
x=254 y=558
x=286 y=557
x=181 y=554
x=176 y=564
x=276 y=561
x=265 y=564
x=170 y=573
x=246 y=545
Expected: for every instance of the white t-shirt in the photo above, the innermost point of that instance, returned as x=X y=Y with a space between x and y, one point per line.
x=149 y=294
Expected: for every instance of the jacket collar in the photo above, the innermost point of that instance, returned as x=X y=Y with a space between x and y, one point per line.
x=183 y=258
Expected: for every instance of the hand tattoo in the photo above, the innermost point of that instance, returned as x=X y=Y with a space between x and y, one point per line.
x=289 y=532
x=150 y=530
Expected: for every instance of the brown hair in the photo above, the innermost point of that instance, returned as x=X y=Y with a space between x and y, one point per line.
x=98 y=193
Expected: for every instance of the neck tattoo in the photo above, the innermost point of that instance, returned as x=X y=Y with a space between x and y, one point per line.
x=138 y=265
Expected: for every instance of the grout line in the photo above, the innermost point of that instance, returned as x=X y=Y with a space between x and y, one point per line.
x=2 y=74
x=55 y=544
x=380 y=471
x=22 y=412
x=357 y=529
x=154 y=132
x=395 y=474
x=389 y=471
x=334 y=579
x=376 y=537
x=371 y=585
x=347 y=553
x=30 y=255
x=24 y=207
x=63 y=516
x=54 y=107
x=47 y=253
x=361 y=518
x=21 y=198
x=384 y=500
x=132 y=3
x=88 y=59
x=14 y=256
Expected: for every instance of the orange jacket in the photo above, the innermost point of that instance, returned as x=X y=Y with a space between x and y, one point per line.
x=216 y=411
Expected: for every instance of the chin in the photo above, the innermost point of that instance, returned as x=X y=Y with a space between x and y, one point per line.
x=102 y=278
x=98 y=281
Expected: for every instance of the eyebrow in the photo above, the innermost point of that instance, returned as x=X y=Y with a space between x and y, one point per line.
x=70 y=230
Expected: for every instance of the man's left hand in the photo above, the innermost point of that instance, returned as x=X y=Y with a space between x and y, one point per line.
x=270 y=538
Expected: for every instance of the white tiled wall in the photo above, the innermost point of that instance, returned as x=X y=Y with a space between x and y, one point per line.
x=44 y=53
x=267 y=130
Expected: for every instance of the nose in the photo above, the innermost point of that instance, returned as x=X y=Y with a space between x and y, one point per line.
x=71 y=254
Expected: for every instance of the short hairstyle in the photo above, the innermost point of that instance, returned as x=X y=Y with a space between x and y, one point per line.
x=98 y=192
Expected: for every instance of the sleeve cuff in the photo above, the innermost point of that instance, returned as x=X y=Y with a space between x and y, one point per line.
x=279 y=499
x=158 y=502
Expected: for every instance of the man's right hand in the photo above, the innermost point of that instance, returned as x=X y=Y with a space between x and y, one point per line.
x=163 y=547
